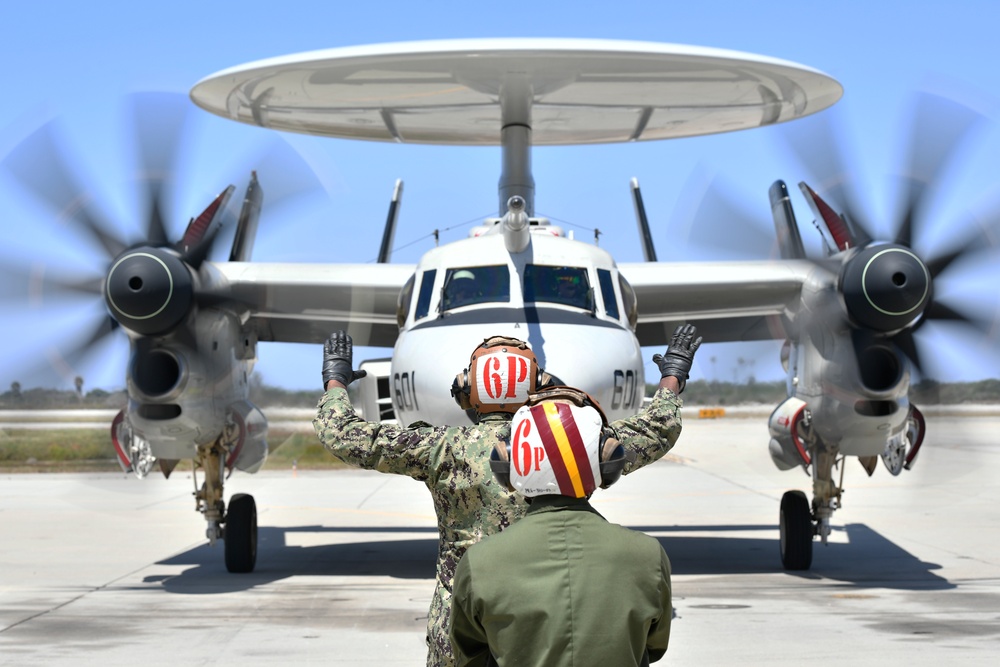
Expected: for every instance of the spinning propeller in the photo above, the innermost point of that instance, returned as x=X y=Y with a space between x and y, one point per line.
x=885 y=281
x=147 y=283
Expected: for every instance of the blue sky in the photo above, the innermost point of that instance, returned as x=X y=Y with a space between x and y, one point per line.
x=75 y=61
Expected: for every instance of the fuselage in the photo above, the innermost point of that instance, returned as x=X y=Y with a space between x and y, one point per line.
x=563 y=297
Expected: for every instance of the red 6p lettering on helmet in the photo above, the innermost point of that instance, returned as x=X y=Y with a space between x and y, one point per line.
x=559 y=445
x=502 y=373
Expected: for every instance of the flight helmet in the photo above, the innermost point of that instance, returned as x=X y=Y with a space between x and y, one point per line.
x=560 y=445
x=502 y=372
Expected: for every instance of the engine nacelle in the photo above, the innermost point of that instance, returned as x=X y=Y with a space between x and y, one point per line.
x=786 y=447
x=248 y=437
x=182 y=387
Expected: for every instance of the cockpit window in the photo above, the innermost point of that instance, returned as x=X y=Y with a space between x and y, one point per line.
x=403 y=301
x=426 y=290
x=475 y=284
x=567 y=285
x=608 y=292
x=628 y=297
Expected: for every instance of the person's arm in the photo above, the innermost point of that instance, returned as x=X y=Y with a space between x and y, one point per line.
x=652 y=433
x=659 y=632
x=372 y=445
x=670 y=383
x=468 y=638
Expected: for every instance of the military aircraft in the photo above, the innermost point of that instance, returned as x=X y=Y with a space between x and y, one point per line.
x=848 y=318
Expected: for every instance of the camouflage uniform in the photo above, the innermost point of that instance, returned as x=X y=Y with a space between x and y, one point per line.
x=453 y=461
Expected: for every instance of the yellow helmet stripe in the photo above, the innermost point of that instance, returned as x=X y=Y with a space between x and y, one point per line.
x=565 y=449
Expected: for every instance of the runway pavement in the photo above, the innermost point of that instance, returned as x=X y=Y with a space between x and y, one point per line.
x=103 y=569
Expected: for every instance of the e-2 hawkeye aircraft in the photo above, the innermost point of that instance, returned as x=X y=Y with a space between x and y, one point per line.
x=193 y=324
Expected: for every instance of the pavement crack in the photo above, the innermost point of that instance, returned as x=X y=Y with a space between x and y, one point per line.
x=72 y=600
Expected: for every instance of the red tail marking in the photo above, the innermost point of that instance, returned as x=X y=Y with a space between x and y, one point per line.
x=841 y=234
x=195 y=231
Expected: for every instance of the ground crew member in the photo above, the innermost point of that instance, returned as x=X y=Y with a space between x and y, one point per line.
x=453 y=461
x=562 y=587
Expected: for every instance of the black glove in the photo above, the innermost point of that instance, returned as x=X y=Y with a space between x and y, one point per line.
x=680 y=353
x=338 y=353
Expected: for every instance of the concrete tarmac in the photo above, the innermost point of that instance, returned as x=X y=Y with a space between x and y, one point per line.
x=104 y=569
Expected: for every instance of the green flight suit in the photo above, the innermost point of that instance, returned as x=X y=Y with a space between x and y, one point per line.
x=453 y=461
x=562 y=588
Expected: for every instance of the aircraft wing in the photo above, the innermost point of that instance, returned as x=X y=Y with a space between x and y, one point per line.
x=303 y=303
x=727 y=301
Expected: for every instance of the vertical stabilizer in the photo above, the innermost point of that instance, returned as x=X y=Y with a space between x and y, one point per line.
x=246 y=227
x=787 y=229
x=389 y=234
x=648 y=251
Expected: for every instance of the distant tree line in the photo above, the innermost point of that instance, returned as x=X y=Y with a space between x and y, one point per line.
x=51 y=399
x=17 y=398
x=697 y=392
x=926 y=392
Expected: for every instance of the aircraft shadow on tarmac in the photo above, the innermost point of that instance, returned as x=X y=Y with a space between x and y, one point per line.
x=868 y=560
x=405 y=558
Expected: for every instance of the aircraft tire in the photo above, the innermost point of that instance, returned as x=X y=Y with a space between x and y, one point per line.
x=796 y=531
x=241 y=533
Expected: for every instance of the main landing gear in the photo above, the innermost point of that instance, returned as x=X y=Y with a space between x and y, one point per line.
x=799 y=520
x=237 y=526
x=797 y=531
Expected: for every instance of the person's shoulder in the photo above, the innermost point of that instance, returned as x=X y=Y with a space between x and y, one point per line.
x=493 y=421
x=480 y=556
x=634 y=540
x=503 y=541
x=475 y=439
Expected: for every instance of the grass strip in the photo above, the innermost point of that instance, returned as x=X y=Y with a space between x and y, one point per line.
x=90 y=450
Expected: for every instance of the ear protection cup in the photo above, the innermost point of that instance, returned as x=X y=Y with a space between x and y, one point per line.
x=460 y=390
x=612 y=461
